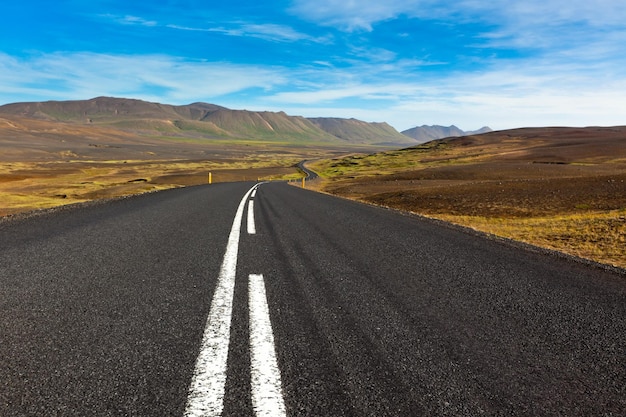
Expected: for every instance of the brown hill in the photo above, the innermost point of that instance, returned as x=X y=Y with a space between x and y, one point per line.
x=266 y=125
x=357 y=131
x=107 y=109
x=514 y=173
x=560 y=188
x=546 y=144
x=204 y=120
x=23 y=139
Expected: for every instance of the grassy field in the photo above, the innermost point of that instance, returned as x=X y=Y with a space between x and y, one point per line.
x=36 y=185
x=562 y=189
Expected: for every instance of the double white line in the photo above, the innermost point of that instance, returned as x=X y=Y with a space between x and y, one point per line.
x=206 y=394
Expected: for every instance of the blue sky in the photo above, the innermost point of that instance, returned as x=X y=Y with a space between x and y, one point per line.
x=407 y=62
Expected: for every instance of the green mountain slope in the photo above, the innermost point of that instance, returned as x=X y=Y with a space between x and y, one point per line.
x=208 y=121
x=357 y=131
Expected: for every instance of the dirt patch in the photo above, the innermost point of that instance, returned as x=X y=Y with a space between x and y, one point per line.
x=527 y=197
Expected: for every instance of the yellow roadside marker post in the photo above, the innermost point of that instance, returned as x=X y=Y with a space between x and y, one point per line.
x=210 y=178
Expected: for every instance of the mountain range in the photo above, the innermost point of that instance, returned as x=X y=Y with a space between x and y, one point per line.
x=203 y=120
x=427 y=133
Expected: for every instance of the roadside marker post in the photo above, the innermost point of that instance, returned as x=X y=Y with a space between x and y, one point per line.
x=210 y=178
x=303 y=179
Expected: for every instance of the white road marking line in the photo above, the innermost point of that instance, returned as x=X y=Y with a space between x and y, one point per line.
x=251 y=225
x=267 y=394
x=206 y=393
x=253 y=193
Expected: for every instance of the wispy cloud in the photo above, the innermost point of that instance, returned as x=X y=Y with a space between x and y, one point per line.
x=152 y=77
x=537 y=61
x=130 y=20
x=266 y=31
x=557 y=12
x=529 y=23
x=505 y=94
x=351 y=14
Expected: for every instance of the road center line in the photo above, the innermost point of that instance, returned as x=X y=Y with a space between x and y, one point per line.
x=206 y=393
x=267 y=395
x=251 y=225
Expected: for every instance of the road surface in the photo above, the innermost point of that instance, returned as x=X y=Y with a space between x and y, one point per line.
x=309 y=174
x=229 y=300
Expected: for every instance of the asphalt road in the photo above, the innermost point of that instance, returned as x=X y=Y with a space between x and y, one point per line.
x=310 y=175
x=334 y=308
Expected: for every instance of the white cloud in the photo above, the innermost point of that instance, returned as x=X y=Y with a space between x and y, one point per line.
x=567 y=64
x=352 y=14
x=325 y=93
x=504 y=95
x=528 y=24
x=557 y=12
x=268 y=32
x=130 y=20
x=362 y=14
x=151 y=77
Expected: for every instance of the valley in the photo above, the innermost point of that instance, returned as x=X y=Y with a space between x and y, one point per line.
x=59 y=153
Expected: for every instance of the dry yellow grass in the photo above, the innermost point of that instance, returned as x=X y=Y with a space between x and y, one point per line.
x=562 y=189
x=37 y=185
x=597 y=236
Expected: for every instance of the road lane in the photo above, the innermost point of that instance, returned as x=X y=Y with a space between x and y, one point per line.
x=379 y=313
x=102 y=308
